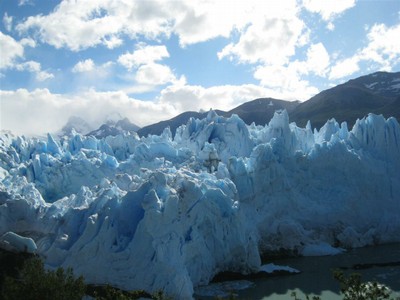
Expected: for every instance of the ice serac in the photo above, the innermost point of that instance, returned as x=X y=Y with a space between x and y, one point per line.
x=168 y=213
x=16 y=243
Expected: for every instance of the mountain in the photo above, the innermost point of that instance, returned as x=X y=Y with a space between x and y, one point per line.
x=112 y=127
x=375 y=93
x=76 y=123
x=261 y=111
x=380 y=83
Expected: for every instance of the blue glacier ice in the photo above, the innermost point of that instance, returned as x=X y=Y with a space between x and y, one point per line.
x=164 y=212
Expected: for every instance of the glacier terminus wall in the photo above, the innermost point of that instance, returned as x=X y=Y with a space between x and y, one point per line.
x=169 y=213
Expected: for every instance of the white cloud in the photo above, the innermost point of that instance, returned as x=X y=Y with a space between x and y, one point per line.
x=30 y=66
x=34 y=67
x=11 y=50
x=285 y=82
x=143 y=61
x=330 y=26
x=87 y=74
x=144 y=54
x=328 y=9
x=43 y=75
x=40 y=111
x=154 y=74
x=84 y=66
x=318 y=59
x=195 y=98
x=344 y=68
x=28 y=42
x=113 y=42
x=199 y=21
x=25 y=2
x=383 y=49
x=383 y=45
x=7 y=21
x=272 y=40
x=79 y=25
x=82 y=24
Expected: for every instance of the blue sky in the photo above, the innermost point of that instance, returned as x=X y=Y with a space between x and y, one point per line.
x=151 y=60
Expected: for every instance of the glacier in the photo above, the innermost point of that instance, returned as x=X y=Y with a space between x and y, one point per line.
x=170 y=212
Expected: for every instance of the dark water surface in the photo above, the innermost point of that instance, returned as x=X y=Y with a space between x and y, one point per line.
x=377 y=263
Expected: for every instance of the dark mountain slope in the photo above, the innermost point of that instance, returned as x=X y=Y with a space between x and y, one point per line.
x=375 y=93
x=380 y=83
x=261 y=111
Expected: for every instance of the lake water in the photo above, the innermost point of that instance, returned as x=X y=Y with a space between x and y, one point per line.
x=316 y=274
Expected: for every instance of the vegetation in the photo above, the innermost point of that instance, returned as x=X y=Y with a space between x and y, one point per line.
x=23 y=276
x=34 y=282
x=109 y=292
x=353 y=288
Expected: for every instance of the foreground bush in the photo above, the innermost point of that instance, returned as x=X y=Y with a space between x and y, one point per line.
x=352 y=288
x=34 y=282
x=109 y=292
x=24 y=277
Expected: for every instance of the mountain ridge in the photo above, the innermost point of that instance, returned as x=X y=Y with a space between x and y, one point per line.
x=377 y=93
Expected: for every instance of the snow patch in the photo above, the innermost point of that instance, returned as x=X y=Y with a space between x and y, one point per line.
x=371 y=85
x=395 y=86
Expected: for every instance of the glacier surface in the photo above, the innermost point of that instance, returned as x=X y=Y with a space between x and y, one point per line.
x=163 y=212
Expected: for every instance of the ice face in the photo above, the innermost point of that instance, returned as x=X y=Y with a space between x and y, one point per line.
x=162 y=213
x=15 y=242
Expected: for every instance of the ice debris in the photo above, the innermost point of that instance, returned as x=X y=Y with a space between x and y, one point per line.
x=271 y=268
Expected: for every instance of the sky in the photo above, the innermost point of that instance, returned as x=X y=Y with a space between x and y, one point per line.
x=150 y=60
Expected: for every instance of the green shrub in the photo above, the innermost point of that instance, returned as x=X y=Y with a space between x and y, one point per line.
x=109 y=292
x=354 y=289
x=34 y=283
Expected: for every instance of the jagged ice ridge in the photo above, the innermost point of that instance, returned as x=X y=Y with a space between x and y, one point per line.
x=169 y=213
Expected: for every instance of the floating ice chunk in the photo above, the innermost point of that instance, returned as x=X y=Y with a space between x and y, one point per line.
x=271 y=268
x=321 y=249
